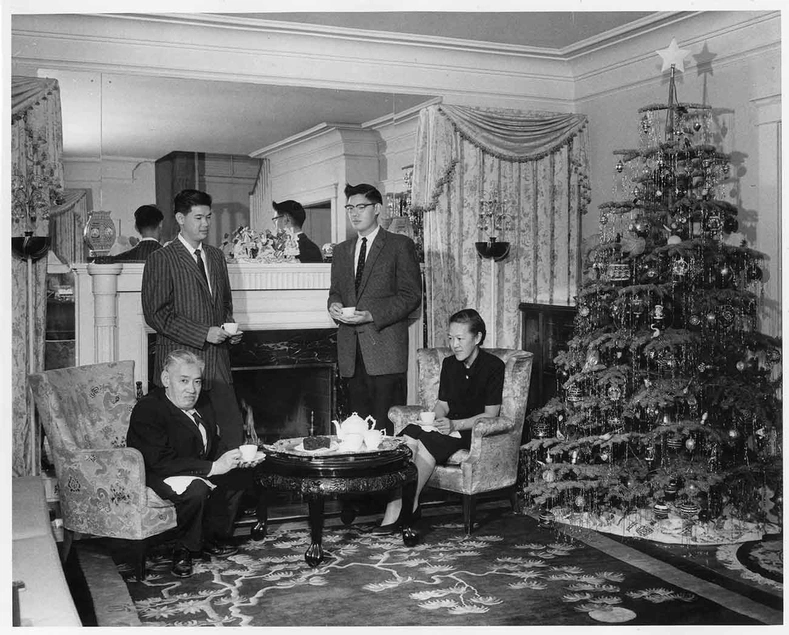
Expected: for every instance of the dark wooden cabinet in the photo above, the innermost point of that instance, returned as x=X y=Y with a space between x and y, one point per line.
x=546 y=329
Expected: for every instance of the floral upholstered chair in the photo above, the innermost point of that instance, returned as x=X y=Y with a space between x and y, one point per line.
x=491 y=463
x=85 y=414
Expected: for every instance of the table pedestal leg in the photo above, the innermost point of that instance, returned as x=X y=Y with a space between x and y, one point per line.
x=258 y=532
x=314 y=555
x=410 y=535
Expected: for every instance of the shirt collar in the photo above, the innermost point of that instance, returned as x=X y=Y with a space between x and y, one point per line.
x=370 y=237
x=188 y=246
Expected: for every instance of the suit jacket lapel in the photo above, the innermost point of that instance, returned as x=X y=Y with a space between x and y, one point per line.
x=369 y=262
x=190 y=265
x=184 y=419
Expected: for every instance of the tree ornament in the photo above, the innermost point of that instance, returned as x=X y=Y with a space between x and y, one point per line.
x=620 y=166
x=574 y=394
x=614 y=393
x=730 y=225
x=674 y=240
x=690 y=444
x=696 y=126
x=604 y=456
x=733 y=434
x=548 y=476
x=680 y=266
x=640 y=226
x=711 y=318
x=754 y=273
x=580 y=502
x=660 y=510
x=645 y=124
x=694 y=320
x=713 y=223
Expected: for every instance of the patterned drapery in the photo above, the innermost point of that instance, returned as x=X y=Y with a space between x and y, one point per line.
x=537 y=163
x=36 y=147
x=260 y=198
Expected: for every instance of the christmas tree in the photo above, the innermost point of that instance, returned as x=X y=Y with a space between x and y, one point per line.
x=668 y=399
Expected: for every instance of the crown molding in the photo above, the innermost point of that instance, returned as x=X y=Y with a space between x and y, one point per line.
x=305 y=135
x=400 y=117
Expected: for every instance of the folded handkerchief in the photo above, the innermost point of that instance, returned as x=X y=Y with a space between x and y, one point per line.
x=179 y=483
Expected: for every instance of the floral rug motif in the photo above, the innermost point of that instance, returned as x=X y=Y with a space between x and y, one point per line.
x=511 y=572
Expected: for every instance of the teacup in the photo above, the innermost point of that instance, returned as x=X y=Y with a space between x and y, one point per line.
x=351 y=443
x=428 y=418
x=373 y=438
x=230 y=327
x=348 y=311
x=248 y=451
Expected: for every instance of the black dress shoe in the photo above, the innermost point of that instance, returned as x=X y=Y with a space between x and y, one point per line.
x=219 y=549
x=182 y=562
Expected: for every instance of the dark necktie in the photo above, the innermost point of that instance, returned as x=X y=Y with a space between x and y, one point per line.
x=200 y=427
x=201 y=265
x=360 y=263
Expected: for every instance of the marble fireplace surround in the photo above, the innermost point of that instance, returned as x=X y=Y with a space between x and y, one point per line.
x=110 y=325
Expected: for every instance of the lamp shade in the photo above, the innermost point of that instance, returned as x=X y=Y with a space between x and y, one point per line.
x=493 y=249
x=30 y=246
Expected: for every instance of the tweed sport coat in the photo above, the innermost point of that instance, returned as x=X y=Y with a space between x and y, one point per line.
x=179 y=307
x=390 y=289
x=170 y=442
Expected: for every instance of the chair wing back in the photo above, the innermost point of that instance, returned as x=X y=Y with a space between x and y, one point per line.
x=517 y=374
x=86 y=407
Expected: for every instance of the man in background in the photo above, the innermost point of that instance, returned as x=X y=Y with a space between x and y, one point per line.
x=290 y=217
x=186 y=299
x=376 y=272
x=148 y=221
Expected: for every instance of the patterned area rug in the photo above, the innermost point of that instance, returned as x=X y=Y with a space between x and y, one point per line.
x=760 y=561
x=509 y=572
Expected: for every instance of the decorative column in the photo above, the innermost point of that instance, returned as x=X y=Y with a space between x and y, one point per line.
x=104 y=279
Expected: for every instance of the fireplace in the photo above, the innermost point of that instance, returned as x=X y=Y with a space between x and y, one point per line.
x=289 y=381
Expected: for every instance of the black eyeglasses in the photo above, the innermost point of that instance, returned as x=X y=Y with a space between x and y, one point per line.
x=359 y=208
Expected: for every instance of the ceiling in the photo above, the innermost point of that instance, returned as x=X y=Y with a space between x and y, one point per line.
x=148 y=117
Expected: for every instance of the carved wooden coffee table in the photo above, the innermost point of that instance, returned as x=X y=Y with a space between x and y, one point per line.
x=327 y=473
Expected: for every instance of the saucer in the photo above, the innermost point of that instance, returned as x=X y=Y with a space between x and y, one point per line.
x=259 y=456
x=428 y=428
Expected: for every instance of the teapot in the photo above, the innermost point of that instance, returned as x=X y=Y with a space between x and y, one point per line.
x=353 y=425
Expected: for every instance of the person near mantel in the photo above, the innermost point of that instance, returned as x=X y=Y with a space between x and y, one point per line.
x=290 y=217
x=148 y=221
x=375 y=285
x=186 y=299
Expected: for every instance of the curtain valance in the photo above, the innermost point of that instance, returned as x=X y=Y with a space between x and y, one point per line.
x=26 y=92
x=514 y=135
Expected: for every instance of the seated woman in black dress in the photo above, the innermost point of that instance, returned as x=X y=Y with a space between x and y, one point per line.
x=470 y=387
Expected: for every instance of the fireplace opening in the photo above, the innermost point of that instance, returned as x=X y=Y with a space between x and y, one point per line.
x=288 y=401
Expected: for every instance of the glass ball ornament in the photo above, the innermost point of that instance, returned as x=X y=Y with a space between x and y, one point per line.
x=604 y=456
x=711 y=318
x=694 y=320
x=580 y=502
x=696 y=126
x=754 y=273
x=730 y=225
x=614 y=393
x=548 y=476
x=733 y=434
x=690 y=444
x=584 y=310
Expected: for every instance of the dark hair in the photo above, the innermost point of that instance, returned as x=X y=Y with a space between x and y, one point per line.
x=473 y=319
x=147 y=217
x=185 y=200
x=366 y=190
x=293 y=209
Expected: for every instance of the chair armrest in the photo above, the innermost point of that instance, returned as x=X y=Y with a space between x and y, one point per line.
x=491 y=426
x=107 y=467
x=401 y=416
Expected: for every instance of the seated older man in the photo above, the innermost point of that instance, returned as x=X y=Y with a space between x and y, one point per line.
x=187 y=462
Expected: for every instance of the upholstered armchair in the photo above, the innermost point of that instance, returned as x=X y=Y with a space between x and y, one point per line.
x=491 y=463
x=85 y=414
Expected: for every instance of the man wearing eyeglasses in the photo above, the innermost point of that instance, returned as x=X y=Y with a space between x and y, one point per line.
x=376 y=272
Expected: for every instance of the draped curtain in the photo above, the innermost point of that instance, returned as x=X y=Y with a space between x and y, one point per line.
x=36 y=147
x=260 y=198
x=537 y=164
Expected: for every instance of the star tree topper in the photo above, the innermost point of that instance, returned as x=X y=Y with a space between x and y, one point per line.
x=673 y=56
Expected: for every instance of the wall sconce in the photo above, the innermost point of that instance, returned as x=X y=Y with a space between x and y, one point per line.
x=493 y=218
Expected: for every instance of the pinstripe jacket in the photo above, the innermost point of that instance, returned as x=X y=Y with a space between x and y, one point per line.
x=178 y=306
x=390 y=289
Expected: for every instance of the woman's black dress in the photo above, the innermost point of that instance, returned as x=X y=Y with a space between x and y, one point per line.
x=467 y=391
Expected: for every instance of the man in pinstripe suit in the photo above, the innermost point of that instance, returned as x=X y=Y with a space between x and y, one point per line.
x=378 y=273
x=186 y=298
